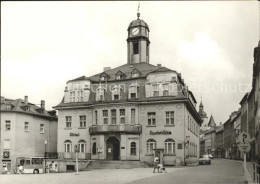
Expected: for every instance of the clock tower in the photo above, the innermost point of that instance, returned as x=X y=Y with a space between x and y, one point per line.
x=138 y=42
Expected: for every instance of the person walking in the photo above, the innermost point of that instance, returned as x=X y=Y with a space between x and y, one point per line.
x=156 y=162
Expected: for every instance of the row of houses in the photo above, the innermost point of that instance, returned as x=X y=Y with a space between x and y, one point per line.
x=224 y=138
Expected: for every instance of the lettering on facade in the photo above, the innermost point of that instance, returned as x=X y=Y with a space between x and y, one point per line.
x=74 y=134
x=133 y=138
x=163 y=132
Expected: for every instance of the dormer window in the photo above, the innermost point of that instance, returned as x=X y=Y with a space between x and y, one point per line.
x=116 y=93
x=119 y=77
x=27 y=108
x=8 y=106
x=132 y=91
x=134 y=75
x=165 y=88
x=155 y=89
x=103 y=78
x=100 y=94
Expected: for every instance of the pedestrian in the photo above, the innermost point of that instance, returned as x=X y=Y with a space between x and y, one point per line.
x=156 y=162
x=20 y=168
x=5 y=170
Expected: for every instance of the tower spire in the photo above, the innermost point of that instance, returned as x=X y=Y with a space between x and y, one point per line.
x=138 y=14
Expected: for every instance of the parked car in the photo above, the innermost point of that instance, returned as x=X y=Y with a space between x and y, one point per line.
x=204 y=159
x=210 y=156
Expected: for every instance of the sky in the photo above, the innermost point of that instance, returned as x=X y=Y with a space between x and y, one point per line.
x=45 y=44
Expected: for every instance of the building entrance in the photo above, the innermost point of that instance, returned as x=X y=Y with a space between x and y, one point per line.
x=113 y=150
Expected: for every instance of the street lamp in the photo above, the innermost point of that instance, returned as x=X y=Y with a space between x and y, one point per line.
x=45 y=143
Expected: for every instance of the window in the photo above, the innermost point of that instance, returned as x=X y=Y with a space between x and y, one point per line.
x=165 y=89
x=105 y=116
x=132 y=116
x=82 y=121
x=113 y=116
x=94 y=148
x=103 y=78
x=133 y=148
x=134 y=75
x=68 y=146
x=150 y=145
x=96 y=117
x=170 y=118
x=155 y=89
x=7 y=125
x=26 y=126
x=169 y=146
x=151 y=118
x=8 y=106
x=116 y=93
x=133 y=92
x=7 y=144
x=120 y=76
x=100 y=95
x=41 y=128
x=188 y=122
x=122 y=116
x=82 y=146
x=136 y=47
x=68 y=121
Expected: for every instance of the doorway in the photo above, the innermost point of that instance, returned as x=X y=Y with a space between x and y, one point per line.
x=113 y=148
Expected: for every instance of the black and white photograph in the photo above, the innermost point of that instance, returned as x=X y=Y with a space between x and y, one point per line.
x=130 y=92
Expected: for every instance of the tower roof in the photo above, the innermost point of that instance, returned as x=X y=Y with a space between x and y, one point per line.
x=136 y=23
x=211 y=122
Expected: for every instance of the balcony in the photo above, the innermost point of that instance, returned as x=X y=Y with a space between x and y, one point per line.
x=99 y=129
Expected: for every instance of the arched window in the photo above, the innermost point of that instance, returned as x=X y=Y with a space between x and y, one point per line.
x=150 y=145
x=133 y=148
x=82 y=146
x=94 y=148
x=169 y=146
x=68 y=146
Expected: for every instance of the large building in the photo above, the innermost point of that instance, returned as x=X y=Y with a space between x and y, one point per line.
x=130 y=112
x=25 y=128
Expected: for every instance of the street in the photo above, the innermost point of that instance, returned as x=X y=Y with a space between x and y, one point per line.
x=220 y=171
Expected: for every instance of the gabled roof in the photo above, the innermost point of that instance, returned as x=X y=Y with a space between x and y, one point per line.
x=19 y=106
x=79 y=78
x=243 y=99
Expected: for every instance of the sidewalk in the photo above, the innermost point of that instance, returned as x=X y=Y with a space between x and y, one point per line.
x=249 y=171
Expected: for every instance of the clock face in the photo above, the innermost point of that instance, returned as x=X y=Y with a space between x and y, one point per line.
x=135 y=31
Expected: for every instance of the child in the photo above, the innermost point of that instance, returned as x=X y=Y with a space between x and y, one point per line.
x=162 y=169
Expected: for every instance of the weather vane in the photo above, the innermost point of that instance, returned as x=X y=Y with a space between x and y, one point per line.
x=138 y=14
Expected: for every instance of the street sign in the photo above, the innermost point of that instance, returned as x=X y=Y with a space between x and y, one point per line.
x=244 y=147
x=243 y=137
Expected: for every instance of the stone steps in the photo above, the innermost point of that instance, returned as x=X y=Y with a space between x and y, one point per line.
x=104 y=164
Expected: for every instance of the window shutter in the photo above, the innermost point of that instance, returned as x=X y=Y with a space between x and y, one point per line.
x=148 y=91
x=173 y=89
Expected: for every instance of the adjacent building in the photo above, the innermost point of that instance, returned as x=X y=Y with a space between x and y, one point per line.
x=220 y=152
x=25 y=128
x=130 y=112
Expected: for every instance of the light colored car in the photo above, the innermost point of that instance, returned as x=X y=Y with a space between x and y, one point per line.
x=210 y=156
x=204 y=159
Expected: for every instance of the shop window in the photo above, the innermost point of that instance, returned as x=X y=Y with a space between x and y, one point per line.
x=105 y=117
x=113 y=116
x=7 y=125
x=122 y=116
x=151 y=118
x=150 y=145
x=82 y=146
x=26 y=126
x=133 y=148
x=170 y=118
x=68 y=146
x=68 y=121
x=169 y=146
x=94 y=148
x=82 y=121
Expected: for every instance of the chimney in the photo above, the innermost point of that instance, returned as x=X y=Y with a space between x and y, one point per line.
x=42 y=104
x=159 y=65
x=107 y=68
x=26 y=100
